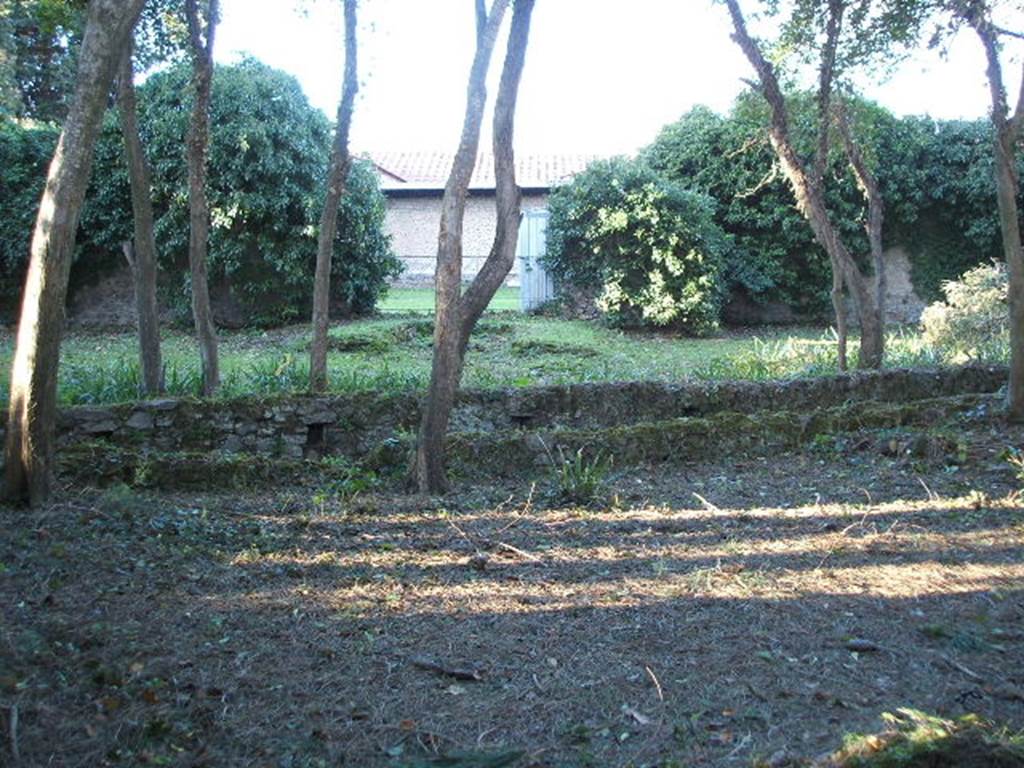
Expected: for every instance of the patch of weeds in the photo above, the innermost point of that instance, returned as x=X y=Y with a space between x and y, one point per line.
x=913 y=739
x=936 y=632
x=577 y=478
x=360 y=342
x=121 y=500
x=348 y=479
x=286 y=374
x=528 y=347
x=1015 y=458
x=116 y=381
x=183 y=380
x=469 y=760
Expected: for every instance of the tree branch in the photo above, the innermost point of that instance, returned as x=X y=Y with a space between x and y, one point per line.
x=826 y=73
x=507 y=193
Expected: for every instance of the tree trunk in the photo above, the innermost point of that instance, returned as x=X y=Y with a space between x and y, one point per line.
x=457 y=312
x=198 y=207
x=809 y=192
x=142 y=255
x=872 y=336
x=1007 y=129
x=1009 y=222
x=337 y=175
x=839 y=306
x=29 y=450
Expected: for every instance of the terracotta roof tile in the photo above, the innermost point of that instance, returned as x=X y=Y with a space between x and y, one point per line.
x=429 y=170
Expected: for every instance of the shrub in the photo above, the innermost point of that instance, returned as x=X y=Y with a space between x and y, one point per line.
x=25 y=152
x=935 y=176
x=268 y=160
x=973 y=322
x=647 y=248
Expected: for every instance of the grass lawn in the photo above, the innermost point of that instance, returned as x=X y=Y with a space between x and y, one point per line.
x=408 y=300
x=392 y=353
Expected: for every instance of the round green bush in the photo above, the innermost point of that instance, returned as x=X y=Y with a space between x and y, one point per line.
x=645 y=247
x=267 y=171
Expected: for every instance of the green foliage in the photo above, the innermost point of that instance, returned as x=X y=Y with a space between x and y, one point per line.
x=935 y=177
x=913 y=739
x=577 y=478
x=268 y=161
x=798 y=357
x=38 y=55
x=956 y=224
x=648 y=248
x=25 y=153
x=268 y=158
x=973 y=322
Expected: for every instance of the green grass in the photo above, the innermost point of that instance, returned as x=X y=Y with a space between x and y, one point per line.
x=914 y=739
x=416 y=300
x=392 y=353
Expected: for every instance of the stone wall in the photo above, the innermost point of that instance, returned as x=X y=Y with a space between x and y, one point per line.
x=361 y=424
x=902 y=304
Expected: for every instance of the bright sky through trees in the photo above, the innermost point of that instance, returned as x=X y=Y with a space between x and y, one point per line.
x=602 y=76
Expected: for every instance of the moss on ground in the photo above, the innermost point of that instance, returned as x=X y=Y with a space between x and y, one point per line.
x=913 y=739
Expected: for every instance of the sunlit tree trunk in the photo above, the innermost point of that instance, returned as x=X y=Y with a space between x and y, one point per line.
x=201 y=45
x=1007 y=129
x=808 y=187
x=337 y=175
x=458 y=311
x=141 y=253
x=29 y=450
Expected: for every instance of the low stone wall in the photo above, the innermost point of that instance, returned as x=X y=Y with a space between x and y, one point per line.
x=360 y=424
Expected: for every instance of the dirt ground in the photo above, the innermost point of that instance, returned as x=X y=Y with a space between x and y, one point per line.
x=715 y=613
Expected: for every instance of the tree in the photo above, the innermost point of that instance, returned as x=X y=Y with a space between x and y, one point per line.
x=39 y=42
x=29 y=450
x=266 y=181
x=141 y=250
x=807 y=179
x=201 y=37
x=457 y=310
x=1007 y=126
x=337 y=175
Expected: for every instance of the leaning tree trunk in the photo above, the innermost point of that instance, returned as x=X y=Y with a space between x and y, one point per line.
x=337 y=175
x=810 y=198
x=141 y=254
x=29 y=450
x=1009 y=223
x=198 y=206
x=458 y=312
x=872 y=340
x=1007 y=129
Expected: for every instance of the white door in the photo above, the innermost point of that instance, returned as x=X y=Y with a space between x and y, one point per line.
x=535 y=284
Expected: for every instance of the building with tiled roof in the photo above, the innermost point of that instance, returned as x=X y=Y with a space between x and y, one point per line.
x=414 y=182
x=423 y=171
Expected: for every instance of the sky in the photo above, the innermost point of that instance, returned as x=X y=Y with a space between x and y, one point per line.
x=601 y=76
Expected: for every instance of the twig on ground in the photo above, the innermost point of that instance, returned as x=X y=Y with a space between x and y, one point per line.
x=960 y=667
x=15 y=754
x=932 y=496
x=707 y=504
x=657 y=685
x=514 y=550
x=459 y=673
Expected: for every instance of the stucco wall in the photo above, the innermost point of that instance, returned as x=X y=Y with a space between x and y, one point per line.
x=413 y=222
